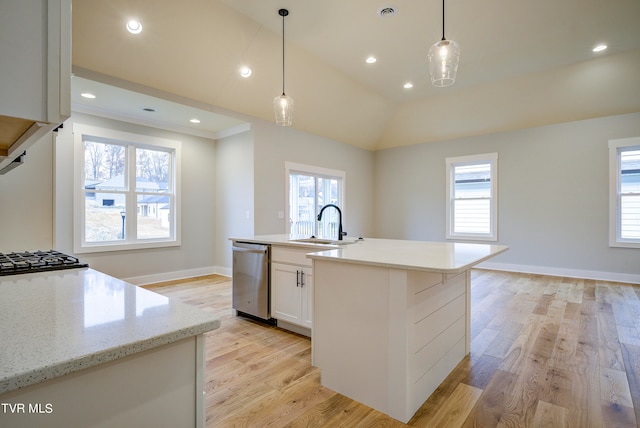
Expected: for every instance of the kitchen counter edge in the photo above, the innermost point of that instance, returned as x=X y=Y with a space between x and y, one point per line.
x=193 y=323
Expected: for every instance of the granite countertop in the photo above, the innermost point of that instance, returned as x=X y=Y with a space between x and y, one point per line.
x=56 y=323
x=443 y=257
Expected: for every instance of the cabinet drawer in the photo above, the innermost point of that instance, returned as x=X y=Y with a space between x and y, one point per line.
x=292 y=256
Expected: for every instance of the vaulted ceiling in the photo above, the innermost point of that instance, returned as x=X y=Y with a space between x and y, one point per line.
x=523 y=63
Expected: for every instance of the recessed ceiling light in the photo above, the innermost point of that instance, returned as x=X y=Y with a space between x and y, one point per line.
x=387 y=11
x=134 y=26
x=87 y=95
x=600 y=48
x=371 y=60
x=408 y=85
x=194 y=120
x=245 y=72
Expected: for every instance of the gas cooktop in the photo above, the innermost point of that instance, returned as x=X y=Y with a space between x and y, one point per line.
x=36 y=261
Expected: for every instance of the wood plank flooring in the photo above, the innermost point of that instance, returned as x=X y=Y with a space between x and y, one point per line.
x=545 y=352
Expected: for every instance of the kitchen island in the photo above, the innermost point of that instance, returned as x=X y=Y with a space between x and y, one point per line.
x=391 y=318
x=81 y=348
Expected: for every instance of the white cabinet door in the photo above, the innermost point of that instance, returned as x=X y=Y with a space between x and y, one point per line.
x=286 y=293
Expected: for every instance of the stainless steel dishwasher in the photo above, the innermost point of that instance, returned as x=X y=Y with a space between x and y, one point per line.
x=251 y=279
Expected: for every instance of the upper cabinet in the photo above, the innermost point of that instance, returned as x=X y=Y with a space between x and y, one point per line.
x=35 y=72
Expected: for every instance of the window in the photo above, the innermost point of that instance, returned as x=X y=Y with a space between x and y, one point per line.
x=126 y=190
x=309 y=189
x=624 y=201
x=472 y=197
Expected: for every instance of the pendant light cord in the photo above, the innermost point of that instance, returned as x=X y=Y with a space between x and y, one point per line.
x=442 y=23
x=283 y=15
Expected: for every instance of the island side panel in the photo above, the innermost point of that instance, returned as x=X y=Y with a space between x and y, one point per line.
x=350 y=330
x=436 y=304
x=418 y=320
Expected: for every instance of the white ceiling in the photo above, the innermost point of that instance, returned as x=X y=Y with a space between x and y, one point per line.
x=523 y=63
x=113 y=101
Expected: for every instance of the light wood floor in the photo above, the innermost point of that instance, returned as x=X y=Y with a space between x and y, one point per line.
x=545 y=352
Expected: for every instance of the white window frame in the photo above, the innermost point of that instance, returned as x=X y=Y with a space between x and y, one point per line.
x=451 y=162
x=315 y=171
x=131 y=141
x=615 y=211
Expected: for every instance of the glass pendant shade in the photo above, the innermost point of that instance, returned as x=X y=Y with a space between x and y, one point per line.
x=283 y=108
x=443 y=62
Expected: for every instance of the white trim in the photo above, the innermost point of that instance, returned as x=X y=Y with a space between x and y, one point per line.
x=294 y=328
x=313 y=170
x=294 y=166
x=177 y=275
x=564 y=272
x=614 y=209
x=492 y=159
x=140 y=140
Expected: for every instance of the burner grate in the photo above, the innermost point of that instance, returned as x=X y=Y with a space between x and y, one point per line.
x=36 y=261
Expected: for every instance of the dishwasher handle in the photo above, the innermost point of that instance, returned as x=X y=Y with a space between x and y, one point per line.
x=249 y=250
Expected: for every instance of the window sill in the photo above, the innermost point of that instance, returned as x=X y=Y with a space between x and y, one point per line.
x=618 y=244
x=103 y=248
x=471 y=238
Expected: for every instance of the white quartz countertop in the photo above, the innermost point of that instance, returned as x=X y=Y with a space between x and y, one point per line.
x=445 y=257
x=56 y=323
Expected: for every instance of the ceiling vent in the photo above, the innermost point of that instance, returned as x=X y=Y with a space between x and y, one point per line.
x=387 y=11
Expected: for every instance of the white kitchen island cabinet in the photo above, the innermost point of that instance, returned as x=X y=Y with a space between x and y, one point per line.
x=391 y=319
x=83 y=349
x=291 y=288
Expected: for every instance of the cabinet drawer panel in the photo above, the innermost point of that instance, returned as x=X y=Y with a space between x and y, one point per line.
x=292 y=256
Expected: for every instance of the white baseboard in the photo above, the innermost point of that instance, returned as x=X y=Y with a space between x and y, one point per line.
x=540 y=270
x=294 y=328
x=570 y=273
x=172 y=276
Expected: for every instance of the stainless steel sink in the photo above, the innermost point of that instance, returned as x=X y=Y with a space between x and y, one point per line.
x=322 y=241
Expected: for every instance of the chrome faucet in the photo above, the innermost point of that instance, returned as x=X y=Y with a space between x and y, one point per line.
x=340 y=232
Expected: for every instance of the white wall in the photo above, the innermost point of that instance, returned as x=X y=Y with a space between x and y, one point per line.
x=274 y=145
x=553 y=195
x=234 y=194
x=194 y=256
x=26 y=201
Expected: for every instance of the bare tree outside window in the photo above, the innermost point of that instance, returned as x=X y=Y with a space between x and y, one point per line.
x=107 y=174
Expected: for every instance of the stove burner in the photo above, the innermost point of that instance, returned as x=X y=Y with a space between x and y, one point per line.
x=37 y=261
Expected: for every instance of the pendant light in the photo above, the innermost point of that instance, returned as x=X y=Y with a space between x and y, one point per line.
x=283 y=105
x=443 y=60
